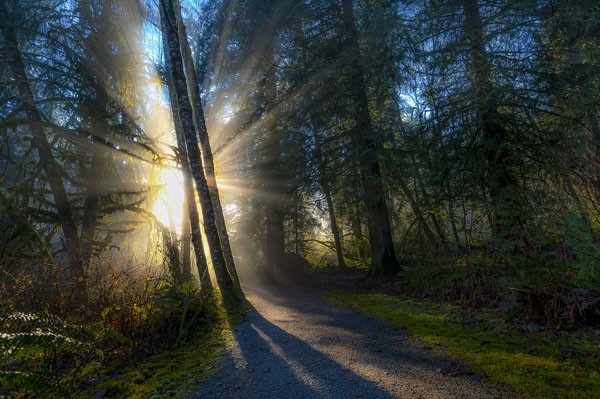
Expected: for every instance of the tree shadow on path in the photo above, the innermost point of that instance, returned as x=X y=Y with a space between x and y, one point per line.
x=318 y=355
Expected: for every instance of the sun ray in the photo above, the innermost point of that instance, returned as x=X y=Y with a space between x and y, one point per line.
x=169 y=202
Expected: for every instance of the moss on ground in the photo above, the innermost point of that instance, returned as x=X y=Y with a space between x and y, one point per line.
x=563 y=365
x=170 y=374
x=173 y=373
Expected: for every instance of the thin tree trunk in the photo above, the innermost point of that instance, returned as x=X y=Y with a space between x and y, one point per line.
x=185 y=110
x=334 y=227
x=357 y=230
x=171 y=251
x=46 y=158
x=297 y=224
x=274 y=212
x=95 y=173
x=414 y=206
x=209 y=167
x=441 y=234
x=193 y=227
x=580 y=208
x=186 y=241
x=592 y=116
x=383 y=256
x=275 y=234
x=321 y=162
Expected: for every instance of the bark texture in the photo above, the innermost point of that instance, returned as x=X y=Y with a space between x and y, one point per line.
x=185 y=112
x=190 y=232
x=209 y=165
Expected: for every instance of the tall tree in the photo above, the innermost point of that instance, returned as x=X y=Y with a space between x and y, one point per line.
x=185 y=110
x=46 y=157
x=383 y=255
x=508 y=216
x=191 y=223
x=209 y=166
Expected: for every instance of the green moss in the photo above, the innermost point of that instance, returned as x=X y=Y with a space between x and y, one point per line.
x=170 y=374
x=566 y=365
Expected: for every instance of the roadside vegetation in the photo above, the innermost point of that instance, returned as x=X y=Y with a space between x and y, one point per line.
x=137 y=337
x=171 y=373
x=532 y=361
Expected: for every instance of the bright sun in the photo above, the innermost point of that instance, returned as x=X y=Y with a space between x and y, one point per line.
x=168 y=207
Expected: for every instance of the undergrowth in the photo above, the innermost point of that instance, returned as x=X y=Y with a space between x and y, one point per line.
x=549 y=364
x=173 y=373
x=168 y=374
x=550 y=288
x=57 y=347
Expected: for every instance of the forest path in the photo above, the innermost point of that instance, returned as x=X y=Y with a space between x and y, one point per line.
x=294 y=344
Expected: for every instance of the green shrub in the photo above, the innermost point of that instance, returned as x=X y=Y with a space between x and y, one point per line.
x=472 y=279
x=44 y=355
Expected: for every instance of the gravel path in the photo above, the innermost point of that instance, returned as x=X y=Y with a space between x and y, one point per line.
x=294 y=344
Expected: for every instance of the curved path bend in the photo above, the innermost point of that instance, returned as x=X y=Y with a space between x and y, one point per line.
x=294 y=344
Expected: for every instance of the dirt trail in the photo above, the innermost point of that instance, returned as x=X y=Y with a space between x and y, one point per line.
x=295 y=344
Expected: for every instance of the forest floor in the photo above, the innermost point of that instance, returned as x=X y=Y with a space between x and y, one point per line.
x=296 y=344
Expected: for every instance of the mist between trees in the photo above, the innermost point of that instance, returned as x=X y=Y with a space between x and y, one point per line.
x=452 y=144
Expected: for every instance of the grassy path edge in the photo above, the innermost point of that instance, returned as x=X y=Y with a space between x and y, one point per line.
x=175 y=373
x=542 y=365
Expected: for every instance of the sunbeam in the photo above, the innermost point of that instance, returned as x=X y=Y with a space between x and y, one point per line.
x=169 y=201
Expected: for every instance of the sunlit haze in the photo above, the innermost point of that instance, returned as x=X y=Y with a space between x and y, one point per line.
x=168 y=206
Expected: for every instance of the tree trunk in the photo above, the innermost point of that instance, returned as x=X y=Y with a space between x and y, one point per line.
x=323 y=180
x=95 y=174
x=190 y=231
x=46 y=158
x=209 y=167
x=186 y=241
x=334 y=227
x=273 y=178
x=506 y=214
x=185 y=111
x=420 y=186
x=357 y=230
x=275 y=237
x=594 y=127
x=383 y=256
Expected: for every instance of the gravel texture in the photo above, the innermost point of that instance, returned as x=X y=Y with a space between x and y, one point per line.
x=294 y=344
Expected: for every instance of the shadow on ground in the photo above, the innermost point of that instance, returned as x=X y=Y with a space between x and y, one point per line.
x=294 y=344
